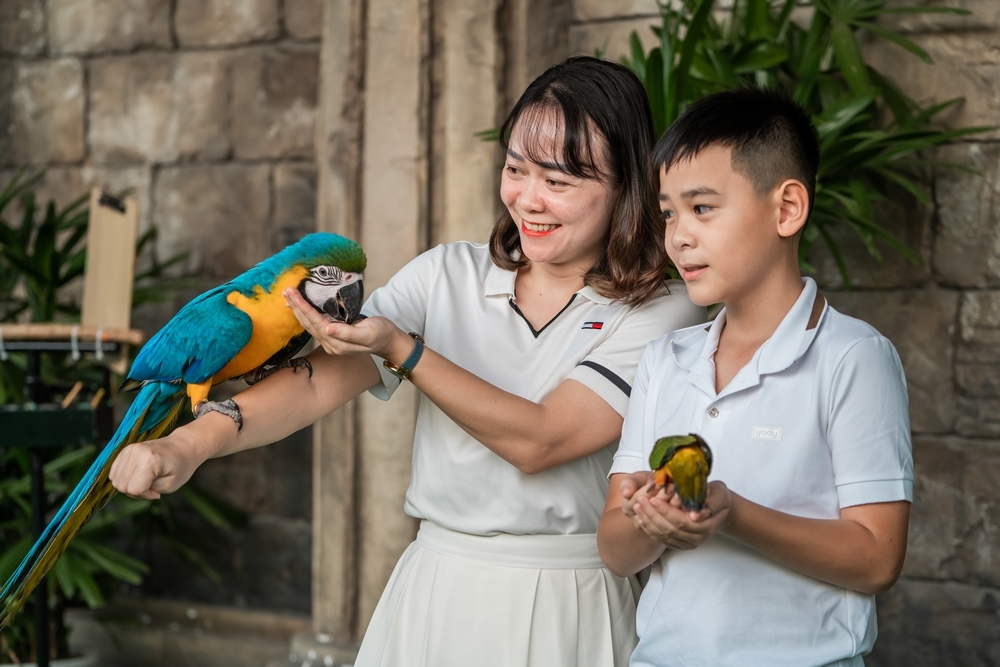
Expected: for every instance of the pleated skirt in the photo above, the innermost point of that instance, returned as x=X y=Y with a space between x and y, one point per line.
x=459 y=600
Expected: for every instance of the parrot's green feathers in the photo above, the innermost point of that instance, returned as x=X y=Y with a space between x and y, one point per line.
x=665 y=448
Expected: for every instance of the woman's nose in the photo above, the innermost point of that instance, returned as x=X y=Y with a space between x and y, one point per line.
x=530 y=197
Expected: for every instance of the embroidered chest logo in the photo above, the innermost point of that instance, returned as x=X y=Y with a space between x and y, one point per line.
x=766 y=433
x=593 y=325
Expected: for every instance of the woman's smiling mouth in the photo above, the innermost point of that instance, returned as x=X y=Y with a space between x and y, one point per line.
x=533 y=229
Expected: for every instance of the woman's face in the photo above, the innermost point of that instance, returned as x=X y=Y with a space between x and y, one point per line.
x=562 y=219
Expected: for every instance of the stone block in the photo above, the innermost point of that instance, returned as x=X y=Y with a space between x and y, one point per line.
x=903 y=217
x=967 y=246
x=265 y=564
x=929 y=624
x=276 y=481
x=159 y=107
x=921 y=326
x=966 y=64
x=979 y=417
x=274 y=91
x=41 y=120
x=221 y=22
x=304 y=18
x=97 y=26
x=612 y=37
x=985 y=15
x=294 y=202
x=955 y=516
x=65 y=184
x=590 y=10
x=218 y=212
x=22 y=27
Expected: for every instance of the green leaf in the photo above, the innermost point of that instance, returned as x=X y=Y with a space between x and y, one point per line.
x=852 y=65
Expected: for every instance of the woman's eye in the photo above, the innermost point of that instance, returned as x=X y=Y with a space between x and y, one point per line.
x=554 y=183
x=667 y=215
x=701 y=209
x=511 y=169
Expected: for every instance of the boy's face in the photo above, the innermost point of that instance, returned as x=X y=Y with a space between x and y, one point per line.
x=720 y=234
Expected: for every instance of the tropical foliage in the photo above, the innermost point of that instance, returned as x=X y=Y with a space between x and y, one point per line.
x=872 y=136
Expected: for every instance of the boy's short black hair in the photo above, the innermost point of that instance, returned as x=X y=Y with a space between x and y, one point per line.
x=771 y=137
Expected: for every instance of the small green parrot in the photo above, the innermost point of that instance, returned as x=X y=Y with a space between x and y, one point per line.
x=685 y=460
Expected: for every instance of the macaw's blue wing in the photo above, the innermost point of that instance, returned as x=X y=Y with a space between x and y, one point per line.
x=197 y=343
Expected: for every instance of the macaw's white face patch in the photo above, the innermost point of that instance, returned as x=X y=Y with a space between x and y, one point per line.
x=766 y=433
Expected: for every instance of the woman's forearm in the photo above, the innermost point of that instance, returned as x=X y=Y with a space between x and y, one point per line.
x=569 y=423
x=288 y=401
x=624 y=548
x=862 y=551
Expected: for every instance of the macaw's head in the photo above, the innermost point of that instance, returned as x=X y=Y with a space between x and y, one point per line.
x=335 y=282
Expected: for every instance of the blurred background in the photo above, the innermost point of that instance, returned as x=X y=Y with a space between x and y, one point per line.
x=240 y=125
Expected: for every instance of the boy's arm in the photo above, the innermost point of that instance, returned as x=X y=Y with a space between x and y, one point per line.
x=863 y=550
x=623 y=547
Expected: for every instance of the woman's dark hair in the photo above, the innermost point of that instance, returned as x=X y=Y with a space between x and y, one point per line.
x=594 y=97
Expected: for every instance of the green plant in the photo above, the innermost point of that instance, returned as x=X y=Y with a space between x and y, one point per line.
x=872 y=136
x=39 y=260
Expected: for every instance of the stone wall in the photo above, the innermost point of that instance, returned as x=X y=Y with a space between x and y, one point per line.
x=205 y=110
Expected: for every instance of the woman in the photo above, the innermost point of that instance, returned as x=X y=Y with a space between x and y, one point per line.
x=531 y=345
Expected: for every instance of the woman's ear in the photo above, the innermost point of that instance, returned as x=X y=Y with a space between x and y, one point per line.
x=794 y=207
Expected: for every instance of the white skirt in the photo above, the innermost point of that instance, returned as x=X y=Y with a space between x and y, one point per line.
x=459 y=600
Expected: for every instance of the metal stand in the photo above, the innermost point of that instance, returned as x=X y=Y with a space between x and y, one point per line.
x=36 y=426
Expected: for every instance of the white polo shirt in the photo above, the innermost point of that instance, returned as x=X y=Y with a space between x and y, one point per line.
x=815 y=422
x=463 y=306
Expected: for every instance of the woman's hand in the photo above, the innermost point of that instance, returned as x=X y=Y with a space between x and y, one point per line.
x=372 y=335
x=659 y=515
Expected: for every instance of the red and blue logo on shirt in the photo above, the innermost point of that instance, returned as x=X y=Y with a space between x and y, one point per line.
x=593 y=325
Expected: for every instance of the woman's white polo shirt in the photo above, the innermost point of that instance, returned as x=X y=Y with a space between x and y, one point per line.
x=817 y=421
x=463 y=305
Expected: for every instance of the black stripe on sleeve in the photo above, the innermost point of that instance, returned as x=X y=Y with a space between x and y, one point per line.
x=611 y=377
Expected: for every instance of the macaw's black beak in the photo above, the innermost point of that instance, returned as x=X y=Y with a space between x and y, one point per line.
x=347 y=305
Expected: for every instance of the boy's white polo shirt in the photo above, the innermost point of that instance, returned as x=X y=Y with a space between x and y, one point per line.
x=463 y=305
x=817 y=421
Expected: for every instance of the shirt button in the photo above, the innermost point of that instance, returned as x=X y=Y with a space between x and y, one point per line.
x=713 y=412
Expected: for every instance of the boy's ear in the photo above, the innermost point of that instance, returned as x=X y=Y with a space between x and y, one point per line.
x=794 y=207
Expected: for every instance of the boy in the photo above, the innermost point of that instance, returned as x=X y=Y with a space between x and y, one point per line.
x=805 y=410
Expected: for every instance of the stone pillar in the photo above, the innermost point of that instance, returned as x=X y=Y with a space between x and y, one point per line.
x=335 y=441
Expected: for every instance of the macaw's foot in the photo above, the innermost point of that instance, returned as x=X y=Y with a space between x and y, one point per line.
x=228 y=408
x=253 y=377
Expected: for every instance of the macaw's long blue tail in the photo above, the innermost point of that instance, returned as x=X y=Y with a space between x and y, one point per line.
x=153 y=412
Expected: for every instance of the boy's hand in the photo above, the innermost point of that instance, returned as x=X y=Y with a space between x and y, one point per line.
x=631 y=488
x=662 y=519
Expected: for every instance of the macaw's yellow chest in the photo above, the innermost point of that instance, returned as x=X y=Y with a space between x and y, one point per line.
x=274 y=325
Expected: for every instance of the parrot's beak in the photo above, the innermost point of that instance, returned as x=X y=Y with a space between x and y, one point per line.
x=346 y=306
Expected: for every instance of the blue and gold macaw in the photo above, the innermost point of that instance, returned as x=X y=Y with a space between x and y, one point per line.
x=242 y=329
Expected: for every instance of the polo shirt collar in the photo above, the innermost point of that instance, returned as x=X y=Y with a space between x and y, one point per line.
x=694 y=350
x=500 y=282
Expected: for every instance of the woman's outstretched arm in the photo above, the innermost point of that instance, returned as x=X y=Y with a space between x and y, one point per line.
x=272 y=409
x=571 y=422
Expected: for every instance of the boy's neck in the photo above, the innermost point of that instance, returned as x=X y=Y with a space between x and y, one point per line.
x=751 y=320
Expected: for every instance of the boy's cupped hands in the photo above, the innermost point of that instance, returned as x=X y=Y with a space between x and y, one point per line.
x=656 y=511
